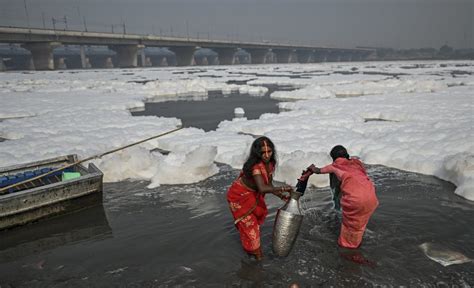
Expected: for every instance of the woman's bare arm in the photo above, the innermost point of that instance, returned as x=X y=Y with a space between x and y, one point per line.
x=265 y=188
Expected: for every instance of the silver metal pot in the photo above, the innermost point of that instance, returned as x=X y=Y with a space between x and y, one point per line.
x=287 y=225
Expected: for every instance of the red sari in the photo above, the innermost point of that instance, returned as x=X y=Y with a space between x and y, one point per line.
x=243 y=199
x=358 y=200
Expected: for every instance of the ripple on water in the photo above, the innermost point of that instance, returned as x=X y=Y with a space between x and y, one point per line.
x=183 y=235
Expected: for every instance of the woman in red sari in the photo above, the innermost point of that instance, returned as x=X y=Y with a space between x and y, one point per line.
x=246 y=195
x=358 y=200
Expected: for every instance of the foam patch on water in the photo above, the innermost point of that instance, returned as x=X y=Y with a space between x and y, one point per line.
x=292 y=164
x=308 y=92
x=459 y=168
x=429 y=127
x=174 y=168
x=443 y=255
x=191 y=167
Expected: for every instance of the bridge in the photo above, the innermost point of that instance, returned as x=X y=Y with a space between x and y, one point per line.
x=129 y=47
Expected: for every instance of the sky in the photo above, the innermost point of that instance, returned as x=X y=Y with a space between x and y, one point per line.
x=400 y=24
x=425 y=119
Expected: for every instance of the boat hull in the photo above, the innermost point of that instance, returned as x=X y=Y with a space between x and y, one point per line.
x=29 y=205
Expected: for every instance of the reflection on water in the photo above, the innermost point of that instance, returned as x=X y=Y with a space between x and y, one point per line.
x=356 y=256
x=48 y=234
x=412 y=211
x=183 y=235
x=213 y=108
x=209 y=113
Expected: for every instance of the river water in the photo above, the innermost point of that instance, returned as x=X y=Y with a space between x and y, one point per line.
x=208 y=113
x=183 y=236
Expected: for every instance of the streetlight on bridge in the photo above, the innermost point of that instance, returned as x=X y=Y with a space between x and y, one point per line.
x=60 y=20
x=27 y=16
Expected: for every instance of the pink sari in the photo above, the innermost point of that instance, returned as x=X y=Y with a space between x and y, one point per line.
x=358 y=201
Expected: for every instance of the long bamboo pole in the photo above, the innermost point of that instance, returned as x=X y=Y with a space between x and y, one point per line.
x=5 y=189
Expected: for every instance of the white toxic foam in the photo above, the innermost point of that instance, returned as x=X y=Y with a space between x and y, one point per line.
x=420 y=121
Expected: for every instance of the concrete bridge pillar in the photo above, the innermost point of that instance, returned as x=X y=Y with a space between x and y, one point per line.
x=164 y=62
x=237 y=60
x=61 y=63
x=99 y=61
x=42 y=54
x=31 y=64
x=258 y=56
x=282 y=55
x=126 y=55
x=108 y=63
x=226 y=55
x=203 y=61
x=148 y=62
x=334 y=56
x=293 y=57
x=2 y=65
x=271 y=57
x=243 y=58
x=143 y=58
x=88 y=64
x=320 y=56
x=356 y=56
x=346 y=56
x=305 y=56
x=184 y=55
x=214 y=60
x=369 y=56
x=82 y=52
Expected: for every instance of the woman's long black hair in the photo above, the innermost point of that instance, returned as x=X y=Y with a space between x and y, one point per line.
x=256 y=155
x=339 y=151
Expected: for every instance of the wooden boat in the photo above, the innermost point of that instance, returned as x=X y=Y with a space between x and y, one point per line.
x=51 y=195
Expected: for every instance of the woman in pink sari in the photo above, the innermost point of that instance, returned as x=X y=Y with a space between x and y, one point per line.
x=358 y=200
x=246 y=195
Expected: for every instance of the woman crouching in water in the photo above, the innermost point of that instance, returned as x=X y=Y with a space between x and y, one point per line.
x=246 y=195
x=358 y=200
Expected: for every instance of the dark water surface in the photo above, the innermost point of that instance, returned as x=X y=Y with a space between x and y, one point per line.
x=183 y=236
x=208 y=113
